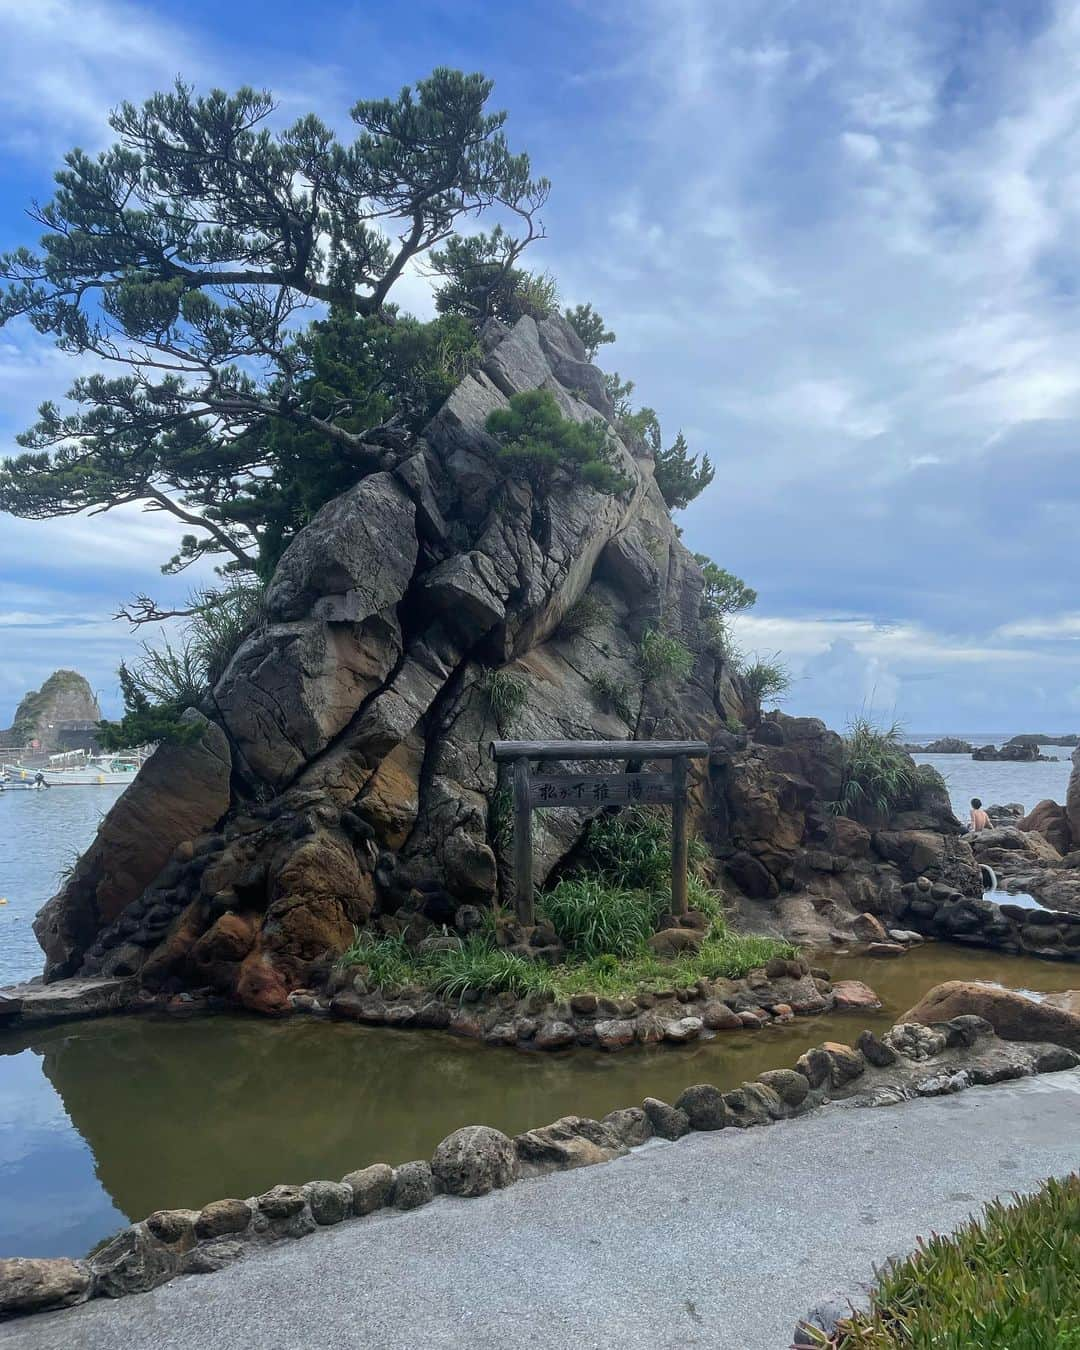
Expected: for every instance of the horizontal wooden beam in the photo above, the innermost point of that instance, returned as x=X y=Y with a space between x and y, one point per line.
x=502 y=750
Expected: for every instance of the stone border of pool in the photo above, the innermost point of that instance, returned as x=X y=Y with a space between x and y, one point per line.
x=938 y=910
x=910 y=1060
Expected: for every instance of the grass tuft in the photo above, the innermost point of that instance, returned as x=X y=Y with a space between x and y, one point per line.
x=878 y=773
x=1007 y=1281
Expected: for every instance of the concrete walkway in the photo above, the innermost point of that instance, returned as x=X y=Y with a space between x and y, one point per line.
x=720 y=1240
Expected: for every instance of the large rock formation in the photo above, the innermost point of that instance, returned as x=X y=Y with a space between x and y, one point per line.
x=65 y=697
x=344 y=778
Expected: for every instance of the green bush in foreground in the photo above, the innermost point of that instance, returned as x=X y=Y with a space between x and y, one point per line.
x=594 y=918
x=1007 y=1281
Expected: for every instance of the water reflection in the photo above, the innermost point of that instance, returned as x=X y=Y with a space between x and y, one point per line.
x=125 y=1115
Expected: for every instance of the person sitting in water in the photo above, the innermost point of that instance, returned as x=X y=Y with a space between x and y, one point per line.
x=979 y=819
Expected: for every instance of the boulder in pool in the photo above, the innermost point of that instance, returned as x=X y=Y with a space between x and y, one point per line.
x=1013 y=1017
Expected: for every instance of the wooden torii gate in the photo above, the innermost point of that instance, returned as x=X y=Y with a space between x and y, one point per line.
x=534 y=791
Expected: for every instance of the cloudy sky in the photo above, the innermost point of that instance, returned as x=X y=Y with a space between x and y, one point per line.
x=838 y=244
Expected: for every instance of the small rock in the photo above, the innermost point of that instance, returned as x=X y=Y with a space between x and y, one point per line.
x=907 y=936
x=554 y=1035
x=474 y=1160
x=874 y=1051
x=1054 y=1058
x=703 y=1106
x=883 y=949
x=583 y=1004
x=631 y=1124
x=132 y=1263
x=789 y=1085
x=221 y=1217
x=914 y=1041
x=371 y=1187
x=211 y=1256
x=615 y=1034
x=281 y=1202
x=174 y=1226
x=751 y=1020
x=846 y=1062
x=649 y=1028
x=414 y=1185
x=868 y=929
x=572 y=1141
x=683 y=1029
x=718 y=1016
x=28 y=1286
x=854 y=994
x=330 y=1201
x=668 y=1122
x=745 y=1107
x=676 y=941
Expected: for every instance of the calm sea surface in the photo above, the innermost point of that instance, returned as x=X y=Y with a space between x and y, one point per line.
x=41 y=833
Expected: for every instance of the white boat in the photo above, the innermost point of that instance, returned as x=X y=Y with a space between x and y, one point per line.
x=102 y=770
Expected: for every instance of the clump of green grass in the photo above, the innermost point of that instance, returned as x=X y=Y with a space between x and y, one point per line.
x=766 y=678
x=476 y=964
x=632 y=849
x=505 y=694
x=663 y=657
x=614 y=694
x=595 y=918
x=878 y=773
x=1007 y=1281
x=587 y=612
x=388 y=959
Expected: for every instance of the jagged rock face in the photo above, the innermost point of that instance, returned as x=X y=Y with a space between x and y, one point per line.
x=356 y=720
x=64 y=697
x=181 y=791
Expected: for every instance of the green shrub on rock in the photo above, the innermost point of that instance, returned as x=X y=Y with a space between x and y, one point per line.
x=537 y=443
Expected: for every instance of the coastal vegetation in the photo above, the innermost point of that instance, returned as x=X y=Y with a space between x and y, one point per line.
x=1011 y=1278
x=878 y=773
x=603 y=913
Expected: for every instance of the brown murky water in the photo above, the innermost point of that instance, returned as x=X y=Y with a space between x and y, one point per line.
x=108 y=1120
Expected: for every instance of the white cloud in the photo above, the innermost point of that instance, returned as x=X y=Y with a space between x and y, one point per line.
x=64 y=63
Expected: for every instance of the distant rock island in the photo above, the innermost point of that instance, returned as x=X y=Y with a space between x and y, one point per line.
x=61 y=715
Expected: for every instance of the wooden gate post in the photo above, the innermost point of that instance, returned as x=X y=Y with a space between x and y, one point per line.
x=679 y=846
x=523 y=853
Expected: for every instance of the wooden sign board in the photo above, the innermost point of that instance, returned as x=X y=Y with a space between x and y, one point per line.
x=590 y=791
x=604 y=789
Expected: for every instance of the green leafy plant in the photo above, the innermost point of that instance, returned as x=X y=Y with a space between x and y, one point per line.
x=537 y=443
x=1009 y=1280
x=593 y=917
x=681 y=476
x=663 y=657
x=877 y=774
x=589 y=326
x=177 y=262
x=479 y=280
x=631 y=849
x=614 y=694
x=506 y=695
x=501 y=817
x=766 y=678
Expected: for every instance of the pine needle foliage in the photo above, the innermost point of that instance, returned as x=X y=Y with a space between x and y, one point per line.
x=538 y=444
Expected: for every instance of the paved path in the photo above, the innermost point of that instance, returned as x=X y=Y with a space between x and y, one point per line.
x=718 y=1241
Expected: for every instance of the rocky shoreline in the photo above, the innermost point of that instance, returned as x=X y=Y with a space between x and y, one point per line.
x=908 y=1061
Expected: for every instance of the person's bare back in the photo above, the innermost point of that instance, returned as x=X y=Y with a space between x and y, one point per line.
x=979 y=819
